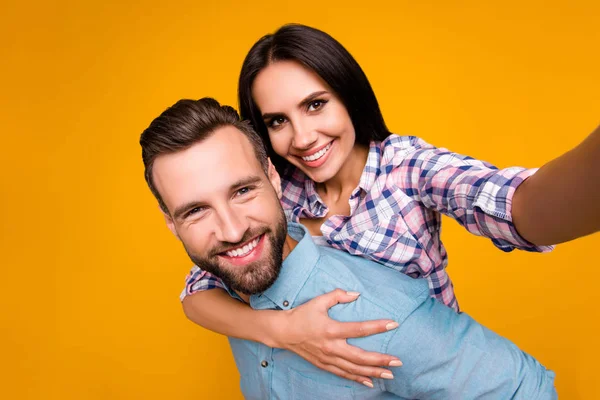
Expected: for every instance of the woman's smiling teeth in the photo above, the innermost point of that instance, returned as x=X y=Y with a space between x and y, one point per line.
x=242 y=251
x=318 y=154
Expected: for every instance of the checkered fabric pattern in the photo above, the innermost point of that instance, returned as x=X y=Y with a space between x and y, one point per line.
x=395 y=210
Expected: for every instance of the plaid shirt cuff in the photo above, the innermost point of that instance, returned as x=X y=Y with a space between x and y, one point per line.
x=495 y=218
x=199 y=281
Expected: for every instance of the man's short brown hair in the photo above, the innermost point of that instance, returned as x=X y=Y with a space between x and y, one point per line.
x=186 y=123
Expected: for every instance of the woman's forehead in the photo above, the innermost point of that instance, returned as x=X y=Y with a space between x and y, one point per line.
x=283 y=84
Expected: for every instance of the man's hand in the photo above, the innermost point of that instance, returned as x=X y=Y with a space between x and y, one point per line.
x=309 y=332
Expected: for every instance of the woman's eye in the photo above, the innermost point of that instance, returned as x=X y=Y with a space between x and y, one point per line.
x=316 y=104
x=275 y=122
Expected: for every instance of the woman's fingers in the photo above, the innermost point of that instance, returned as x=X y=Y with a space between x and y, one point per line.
x=363 y=358
x=344 y=330
x=324 y=343
x=360 y=370
x=346 y=375
x=336 y=296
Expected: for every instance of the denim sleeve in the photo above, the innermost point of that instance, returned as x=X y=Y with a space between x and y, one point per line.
x=450 y=356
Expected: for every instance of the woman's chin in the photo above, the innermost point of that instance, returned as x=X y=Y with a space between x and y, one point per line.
x=321 y=174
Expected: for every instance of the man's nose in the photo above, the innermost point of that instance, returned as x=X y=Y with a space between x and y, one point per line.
x=231 y=226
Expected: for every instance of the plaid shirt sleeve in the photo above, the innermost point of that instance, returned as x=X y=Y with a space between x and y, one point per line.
x=198 y=281
x=474 y=193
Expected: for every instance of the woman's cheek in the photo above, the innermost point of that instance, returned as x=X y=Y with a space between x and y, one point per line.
x=280 y=144
x=333 y=124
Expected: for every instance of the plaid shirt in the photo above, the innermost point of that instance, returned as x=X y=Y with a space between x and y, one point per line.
x=395 y=210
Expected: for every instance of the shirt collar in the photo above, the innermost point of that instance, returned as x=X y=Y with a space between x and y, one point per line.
x=313 y=205
x=371 y=170
x=295 y=271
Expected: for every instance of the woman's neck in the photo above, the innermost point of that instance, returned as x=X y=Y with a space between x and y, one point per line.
x=339 y=187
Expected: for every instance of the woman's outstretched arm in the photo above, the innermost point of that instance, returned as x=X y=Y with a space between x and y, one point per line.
x=561 y=201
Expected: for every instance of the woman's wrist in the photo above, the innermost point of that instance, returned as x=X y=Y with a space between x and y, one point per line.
x=272 y=326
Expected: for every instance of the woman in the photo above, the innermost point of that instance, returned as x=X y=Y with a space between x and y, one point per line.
x=359 y=188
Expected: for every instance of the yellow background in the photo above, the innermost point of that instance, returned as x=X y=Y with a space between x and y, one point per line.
x=90 y=274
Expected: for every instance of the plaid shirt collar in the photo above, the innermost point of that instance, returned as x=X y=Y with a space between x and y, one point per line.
x=371 y=170
x=314 y=206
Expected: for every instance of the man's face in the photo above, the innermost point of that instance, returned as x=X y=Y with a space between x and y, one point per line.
x=224 y=209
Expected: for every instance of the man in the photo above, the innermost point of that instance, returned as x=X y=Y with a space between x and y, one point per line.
x=220 y=196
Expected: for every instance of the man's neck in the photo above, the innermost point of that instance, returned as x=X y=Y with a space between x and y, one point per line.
x=288 y=246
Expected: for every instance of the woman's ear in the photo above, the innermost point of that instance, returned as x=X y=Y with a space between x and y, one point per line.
x=274 y=178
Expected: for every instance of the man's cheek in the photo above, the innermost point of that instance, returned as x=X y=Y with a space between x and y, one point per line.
x=198 y=244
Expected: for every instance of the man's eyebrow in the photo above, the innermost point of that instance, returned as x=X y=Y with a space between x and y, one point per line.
x=179 y=211
x=302 y=103
x=250 y=180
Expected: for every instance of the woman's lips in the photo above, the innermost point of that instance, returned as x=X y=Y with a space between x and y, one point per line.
x=317 y=158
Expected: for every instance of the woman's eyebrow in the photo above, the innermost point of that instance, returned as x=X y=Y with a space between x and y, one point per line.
x=267 y=116
x=311 y=97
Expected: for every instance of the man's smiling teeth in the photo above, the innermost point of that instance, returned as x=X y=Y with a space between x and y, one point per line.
x=318 y=154
x=242 y=251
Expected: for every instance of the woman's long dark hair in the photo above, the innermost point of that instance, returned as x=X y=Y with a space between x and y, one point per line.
x=325 y=56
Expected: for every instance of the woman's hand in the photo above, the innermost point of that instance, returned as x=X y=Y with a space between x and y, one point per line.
x=309 y=332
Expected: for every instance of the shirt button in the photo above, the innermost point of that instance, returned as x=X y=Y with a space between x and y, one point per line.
x=286 y=303
x=264 y=364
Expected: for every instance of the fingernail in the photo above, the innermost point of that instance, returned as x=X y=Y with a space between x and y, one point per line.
x=353 y=294
x=391 y=325
x=395 y=363
x=387 y=375
x=367 y=383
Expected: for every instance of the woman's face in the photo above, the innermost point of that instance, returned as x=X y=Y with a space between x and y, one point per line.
x=308 y=124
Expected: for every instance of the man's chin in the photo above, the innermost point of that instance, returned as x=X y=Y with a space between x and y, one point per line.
x=250 y=279
x=255 y=272
x=255 y=280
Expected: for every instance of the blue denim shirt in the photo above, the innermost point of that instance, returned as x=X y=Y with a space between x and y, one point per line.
x=445 y=355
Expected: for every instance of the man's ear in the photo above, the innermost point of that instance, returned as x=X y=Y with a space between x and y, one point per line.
x=170 y=222
x=274 y=178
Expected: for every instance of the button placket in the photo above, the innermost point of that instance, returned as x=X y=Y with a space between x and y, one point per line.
x=266 y=363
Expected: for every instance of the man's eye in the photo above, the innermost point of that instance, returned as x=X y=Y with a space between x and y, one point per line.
x=243 y=191
x=316 y=104
x=193 y=211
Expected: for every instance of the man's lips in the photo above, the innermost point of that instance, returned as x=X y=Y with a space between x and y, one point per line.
x=243 y=249
x=246 y=253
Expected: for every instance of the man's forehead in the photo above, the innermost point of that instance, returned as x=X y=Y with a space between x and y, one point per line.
x=224 y=157
x=225 y=146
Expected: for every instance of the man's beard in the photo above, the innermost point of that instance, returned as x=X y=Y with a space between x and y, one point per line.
x=255 y=277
